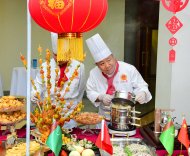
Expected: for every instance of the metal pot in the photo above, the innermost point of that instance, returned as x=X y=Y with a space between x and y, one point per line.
x=125 y=95
x=121 y=113
x=121 y=94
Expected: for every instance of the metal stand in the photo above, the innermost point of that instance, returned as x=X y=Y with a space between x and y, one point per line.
x=11 y=138
x=87 y=130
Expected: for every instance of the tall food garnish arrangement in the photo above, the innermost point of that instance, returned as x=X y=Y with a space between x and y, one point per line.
x=47 y=111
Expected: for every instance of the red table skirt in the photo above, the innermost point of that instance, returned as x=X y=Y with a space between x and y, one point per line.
x=176 y=153
x=20 y=132
x=92 y=137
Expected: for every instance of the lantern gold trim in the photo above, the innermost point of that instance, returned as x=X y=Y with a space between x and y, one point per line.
x=70 y=46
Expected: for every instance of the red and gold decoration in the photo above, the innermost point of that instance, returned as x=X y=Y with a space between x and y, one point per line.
x=174 y=24
x=69 y=19
x=47 y=111
x=174 y=5
x=172 y=55
x=183 y=135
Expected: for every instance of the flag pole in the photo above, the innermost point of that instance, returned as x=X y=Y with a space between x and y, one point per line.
x=181 y=149
x=28 y=81
x=183 y=117
x=102 y=132
x=102 y=135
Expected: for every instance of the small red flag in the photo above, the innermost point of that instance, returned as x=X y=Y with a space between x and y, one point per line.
x=183 y=135
x=103 y=141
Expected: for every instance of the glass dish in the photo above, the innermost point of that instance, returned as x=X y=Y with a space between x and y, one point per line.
x=123 y=142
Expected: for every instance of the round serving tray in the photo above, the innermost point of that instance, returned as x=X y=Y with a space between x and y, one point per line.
x=11 y=123
x=88 y=118
x=11 y=109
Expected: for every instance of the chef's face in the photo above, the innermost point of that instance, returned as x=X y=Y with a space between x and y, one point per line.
x=107 y=65
x=60 y=63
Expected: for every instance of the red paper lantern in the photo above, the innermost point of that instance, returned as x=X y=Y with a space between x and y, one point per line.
x=68 y=16
x=174 y=5
x=172 y=55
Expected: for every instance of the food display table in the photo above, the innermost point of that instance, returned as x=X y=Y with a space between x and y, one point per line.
x=39 y=152
x=92 y=137
x=176 y=153
x=20 y=132
x=148 y=134
x=18 y=81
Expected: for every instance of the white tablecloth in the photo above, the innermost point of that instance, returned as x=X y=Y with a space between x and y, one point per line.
x=18 y=82
x=1 y=87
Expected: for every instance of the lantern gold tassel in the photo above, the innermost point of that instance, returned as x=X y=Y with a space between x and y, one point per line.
x=70 y=46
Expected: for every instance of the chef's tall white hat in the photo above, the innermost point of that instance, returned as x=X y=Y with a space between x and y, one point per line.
x=98 y=48
x=54 y=37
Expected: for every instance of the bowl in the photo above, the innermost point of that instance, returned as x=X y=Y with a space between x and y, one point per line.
x=122 y=142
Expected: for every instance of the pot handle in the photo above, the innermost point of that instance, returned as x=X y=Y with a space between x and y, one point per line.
x=137 y=112
x=136 y=118
x=131 y=96
x=134 y=124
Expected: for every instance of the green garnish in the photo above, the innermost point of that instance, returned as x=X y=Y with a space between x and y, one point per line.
x=127 y=151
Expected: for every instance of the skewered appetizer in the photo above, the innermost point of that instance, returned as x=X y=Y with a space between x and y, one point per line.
x=48 y=111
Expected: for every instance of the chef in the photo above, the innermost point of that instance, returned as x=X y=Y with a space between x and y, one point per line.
x=110 y=76
x=76 y=89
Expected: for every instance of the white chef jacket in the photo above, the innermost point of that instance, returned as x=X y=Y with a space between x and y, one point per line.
x=127 y=79
x=77 y=86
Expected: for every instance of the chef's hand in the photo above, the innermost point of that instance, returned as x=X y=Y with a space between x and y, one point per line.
x=141 y=97
x=105 y=98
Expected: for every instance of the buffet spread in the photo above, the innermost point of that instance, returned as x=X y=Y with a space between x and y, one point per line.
x=126 y=138
x=77 y=141
x=12 y=111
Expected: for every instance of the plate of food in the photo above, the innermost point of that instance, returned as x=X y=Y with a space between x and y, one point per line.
x=80 y=147
x=130 y=147
x=88 y=118
x=11 y=118
x=20 y=149
x=10 y=104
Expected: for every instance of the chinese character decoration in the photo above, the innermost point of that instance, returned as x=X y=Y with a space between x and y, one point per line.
x=174 y=24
